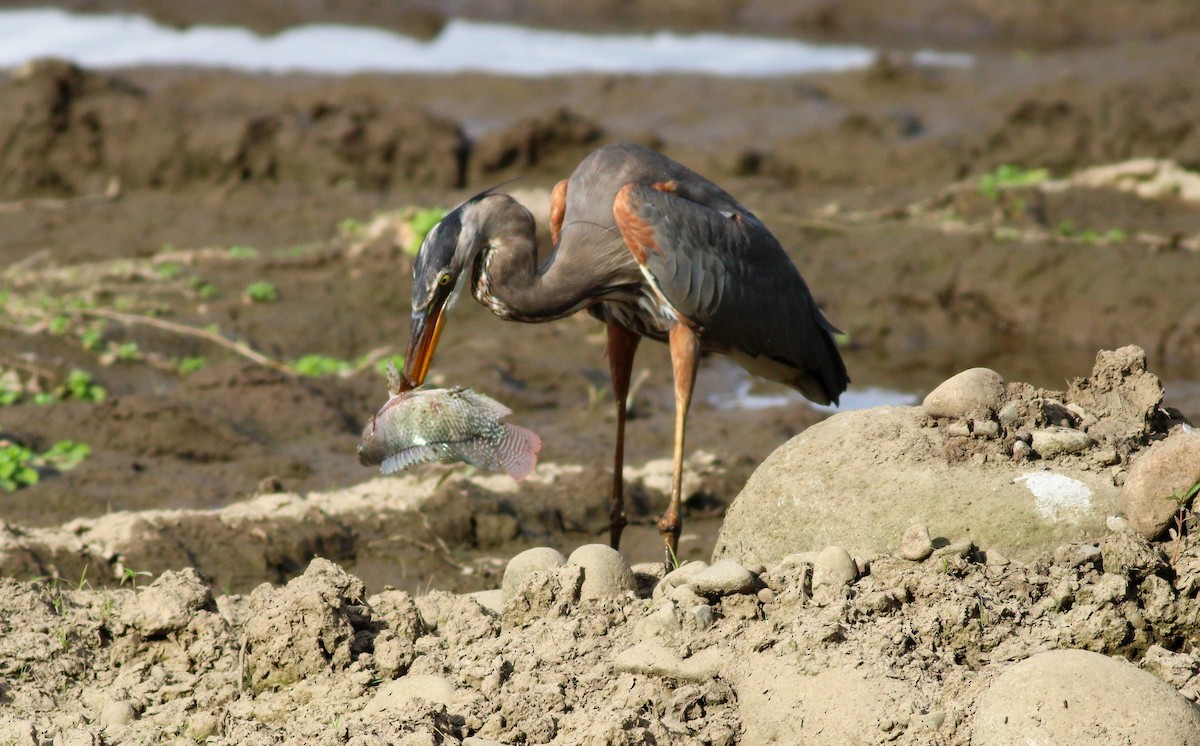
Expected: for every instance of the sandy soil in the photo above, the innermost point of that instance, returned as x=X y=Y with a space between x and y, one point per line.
x=123 y=192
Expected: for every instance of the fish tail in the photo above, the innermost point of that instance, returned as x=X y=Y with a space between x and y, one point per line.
x=518 y=451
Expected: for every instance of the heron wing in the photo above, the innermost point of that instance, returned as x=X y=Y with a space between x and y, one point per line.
x=721 y=270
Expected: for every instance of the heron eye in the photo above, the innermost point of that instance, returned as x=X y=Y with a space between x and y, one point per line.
x=444 y=279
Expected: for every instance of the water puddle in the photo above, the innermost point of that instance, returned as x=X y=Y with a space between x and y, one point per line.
x=119 y=40
x=738 y=389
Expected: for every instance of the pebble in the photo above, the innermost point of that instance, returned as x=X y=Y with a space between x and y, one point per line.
x=1021 y=451
x=1009 y=413
x=397 y=693
x=985 y=428
x=915 y=545
x=960 y=548
x=605 y=572
x=1117 y=523
x=117 y=712
x=528 y=562
x=957 y=430
x=652 y=658
x=684 y=596
x=1167 y=468
x=703 y=614
x=834 y=567
x=969 y=393
x=723 y=578
x=1106 y=456
x=1057 y=441
x=492 y=600
x=766 y=595
x=994 y=558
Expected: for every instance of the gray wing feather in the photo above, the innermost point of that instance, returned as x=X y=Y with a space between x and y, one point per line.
x=724 y=271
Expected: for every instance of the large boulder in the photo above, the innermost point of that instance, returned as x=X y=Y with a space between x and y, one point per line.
x=1159 y=481
x=861 y=478
x=1075 y=696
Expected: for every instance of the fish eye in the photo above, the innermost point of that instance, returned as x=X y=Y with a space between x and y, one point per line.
x=444 y=279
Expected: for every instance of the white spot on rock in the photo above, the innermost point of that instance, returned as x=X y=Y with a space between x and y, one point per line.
x=1058 y=497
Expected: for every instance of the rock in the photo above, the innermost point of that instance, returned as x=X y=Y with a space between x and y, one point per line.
x=959 y=548
x=995 y=558
x=527 y=563
x=836 y=705
x=972 y=392
x=394 y=696
x=1075 y=696
x=703 y=614
x=1021 y=451
x=492 y=600
x=652 y=658
x=834 y=567
x=1121 y=394
x=982 y=428
x=117 y=712
x=1168 y=468
x=169 y=603
x=915 y=545
x=1127 y=553
x=605 y=572
x=1057 y=441
x=827 y=485
x=305 y=628
x=723 y=578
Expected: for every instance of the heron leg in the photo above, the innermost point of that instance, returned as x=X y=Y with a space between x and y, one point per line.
x=685 y=358
x=622 y=344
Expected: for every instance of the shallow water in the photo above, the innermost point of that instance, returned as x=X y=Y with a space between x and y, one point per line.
x=118 y=40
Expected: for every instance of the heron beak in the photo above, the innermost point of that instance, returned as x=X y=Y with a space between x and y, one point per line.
x=422 y=341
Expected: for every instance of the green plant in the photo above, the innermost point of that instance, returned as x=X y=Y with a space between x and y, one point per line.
x=16 y=467
x=350 y=226
x=262 y=292
x=189 y=365
x=127 y=352
x=58 y=325
x=66 y=454
x=1183 y=511
x=81 y=386
x=169 y=270
x=421 y=223
x=129 y=575
x=243 y=252
x=92 y=339
x=320 y=365
x=1009 y=177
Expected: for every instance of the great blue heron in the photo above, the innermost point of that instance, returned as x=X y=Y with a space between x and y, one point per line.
x=652 y=249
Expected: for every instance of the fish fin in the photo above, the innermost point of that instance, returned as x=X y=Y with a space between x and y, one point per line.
x=406 y=458
x=485 y=402
x=478 y=452
x=393 y=379
x=518 y=451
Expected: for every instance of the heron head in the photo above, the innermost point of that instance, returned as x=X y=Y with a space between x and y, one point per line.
x=445 y=254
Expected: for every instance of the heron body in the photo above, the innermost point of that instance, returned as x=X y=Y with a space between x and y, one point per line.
x=652 y=249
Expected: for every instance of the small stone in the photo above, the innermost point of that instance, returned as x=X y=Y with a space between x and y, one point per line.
x=1021 y=451
x=766 y=596
x=1009 y=413
x=492 y=600
x=957 y=430
x=395 y=695
x=684 y=596
x=973 y=392
x=528 y=562
x=1117 y=523
x=1167 y=469
x=1106 y=456
x=117 y=712
x=985 y=428
x=1057 y=441
x=915 y=545
x=1025 y=437
x=834 y=567
x=605 y=572
x=703 y=614
x=960 y=548
x=169 y=603
x=995 y=559
x=723 y=578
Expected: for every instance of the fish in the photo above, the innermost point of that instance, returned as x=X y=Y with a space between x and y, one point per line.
x=446 y=426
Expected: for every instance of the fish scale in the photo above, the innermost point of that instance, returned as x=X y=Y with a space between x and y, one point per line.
x=447 y=426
